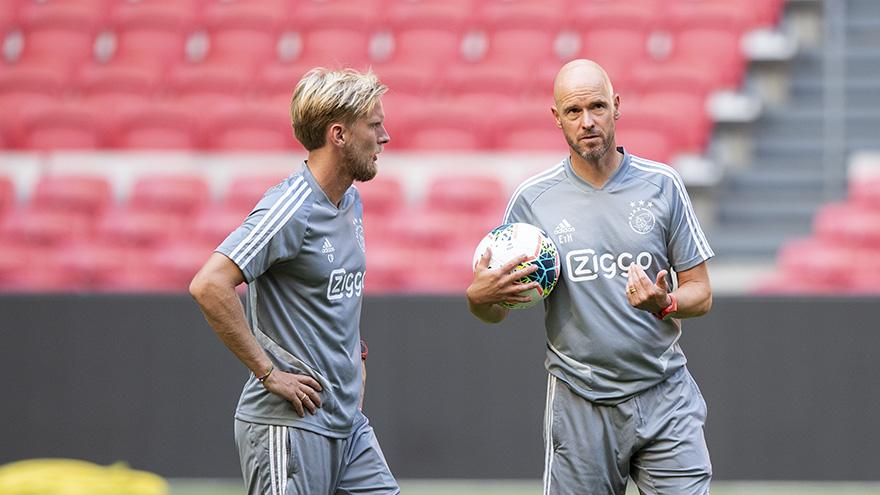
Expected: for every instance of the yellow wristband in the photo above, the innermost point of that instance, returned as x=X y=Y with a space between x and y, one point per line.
x=271 y=367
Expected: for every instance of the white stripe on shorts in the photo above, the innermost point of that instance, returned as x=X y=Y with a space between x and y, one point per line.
x=278 y=459
x=548 y=432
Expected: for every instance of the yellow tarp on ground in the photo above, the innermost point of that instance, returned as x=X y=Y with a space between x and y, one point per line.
x=74 y=477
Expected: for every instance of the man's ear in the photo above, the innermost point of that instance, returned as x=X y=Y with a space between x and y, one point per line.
x=555 y=113
x=336 y=135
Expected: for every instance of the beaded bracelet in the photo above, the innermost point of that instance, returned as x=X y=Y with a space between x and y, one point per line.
x=271 y=367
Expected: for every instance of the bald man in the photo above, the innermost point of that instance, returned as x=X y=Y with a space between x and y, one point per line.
x=620 y=401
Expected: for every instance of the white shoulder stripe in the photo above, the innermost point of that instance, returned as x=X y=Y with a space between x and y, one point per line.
x=531 y=181
x=274 y=219
x=693 y=224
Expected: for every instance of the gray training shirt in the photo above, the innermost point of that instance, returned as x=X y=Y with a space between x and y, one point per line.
x=605 y=349
x=304 y=261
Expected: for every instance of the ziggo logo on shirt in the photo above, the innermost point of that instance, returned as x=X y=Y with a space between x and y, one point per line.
x=344 y=284
x=586 y=264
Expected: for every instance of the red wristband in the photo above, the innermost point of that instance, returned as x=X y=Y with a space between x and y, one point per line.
x=364 y=350
x=670 y=310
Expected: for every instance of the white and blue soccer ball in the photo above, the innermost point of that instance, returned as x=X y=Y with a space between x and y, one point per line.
x=513 y=239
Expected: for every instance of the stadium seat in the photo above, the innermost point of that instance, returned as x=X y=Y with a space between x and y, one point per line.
x=251 y=127
x=516 y=40
x=478 y=195
x=667 y=77
x=382 y=196
x=716 y=50
x=334 y=47
x=58 y=35
x=62 y=127
x=619 y=50
x=8 y=197
x=83 y=193
x=164 y=127
x=213 y=225
x=708 y=14
x=116 y=90
x=528 y=125
x=415 y=29
x=865 y=192
x=207 y=87
x=241 y=36
x=682 y=112
x=849 y=223
x=181 y=195
x=244 y=192
x=47 y=228
x=828 y=264
x=445 y=125
x=150 y=36
x=747 y=13
x=137 y=231
x=24 y=89
x=649 y=143
x=176 y=263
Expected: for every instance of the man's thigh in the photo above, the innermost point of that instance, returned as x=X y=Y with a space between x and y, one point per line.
x=675 y=458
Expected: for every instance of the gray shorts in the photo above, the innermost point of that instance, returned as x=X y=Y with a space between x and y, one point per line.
x=280 y=460
x=656 y=438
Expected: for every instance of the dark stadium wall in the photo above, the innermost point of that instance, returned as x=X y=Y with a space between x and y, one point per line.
x=143 y=379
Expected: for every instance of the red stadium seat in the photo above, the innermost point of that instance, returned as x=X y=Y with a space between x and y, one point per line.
x=849 y=223
x=529 y=125
x=158 y=127
x=8 y=197
x=48 y=228
x=478 y=195
x=446 y=126
x=382 y=195
x=208 y=87
x=865 y=192
x=681 y=112
x=116 y=90
x=716 y=50
x=666 y=77
x=151 y=36
x=62 y=127
x=213 y=225
x=24 y=89
x=827 y=263
x=250 y=127
x=137 y=230
x=59 y=36
x=416 y=29
x=241 y=36
x=245 y=192
x=619 y=50
x=516 y=40
x=649 y=143
x=87 y=194
x=182 y=195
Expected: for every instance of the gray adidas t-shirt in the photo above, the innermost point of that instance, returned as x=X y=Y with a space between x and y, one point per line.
x=304 y=262
x=605 y=349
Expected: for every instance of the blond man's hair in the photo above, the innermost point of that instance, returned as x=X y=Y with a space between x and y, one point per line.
x=324 y=97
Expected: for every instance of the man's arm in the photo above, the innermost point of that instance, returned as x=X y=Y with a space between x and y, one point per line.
x=693 y=295
x=213 y=288
x=494 y=286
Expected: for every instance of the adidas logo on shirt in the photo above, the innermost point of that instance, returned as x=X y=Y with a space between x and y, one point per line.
x=563 y=231
x=327 y=247
x=563 y=228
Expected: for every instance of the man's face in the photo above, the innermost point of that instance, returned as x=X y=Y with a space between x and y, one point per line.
x=586 y=112
x=367 y=138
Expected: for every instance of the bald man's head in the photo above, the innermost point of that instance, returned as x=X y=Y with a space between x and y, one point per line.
x=578 y=74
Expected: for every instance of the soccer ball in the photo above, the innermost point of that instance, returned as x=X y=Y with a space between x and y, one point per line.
x=513 y=239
